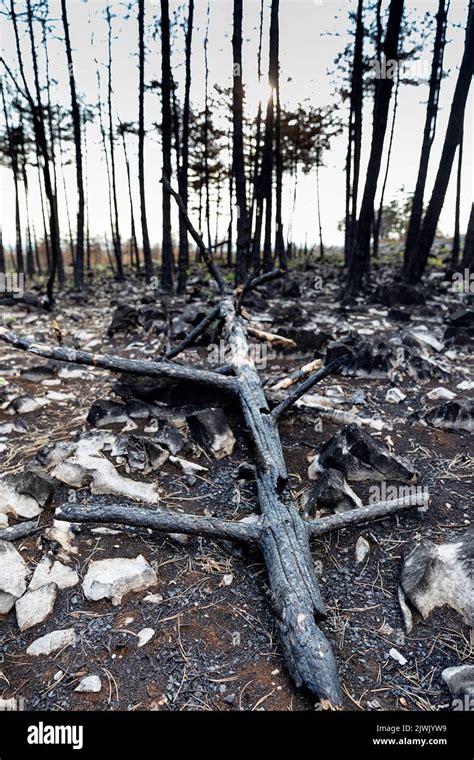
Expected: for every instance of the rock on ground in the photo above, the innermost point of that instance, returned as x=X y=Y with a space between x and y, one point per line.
x=14 y=573
x=35 y=606
x=52 y=642
x=437 y=574
x=49 y=571
x=212 y=430
x=89 y=685
x=113 y=578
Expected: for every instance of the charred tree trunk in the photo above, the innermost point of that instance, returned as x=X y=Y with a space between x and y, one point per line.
x=355 y=136
x=76 y=123
x=13 y=154
x=378 y=217
x=36 y=109
x=360 y=255
x=468 y=253
x=166 y=247
x=258 y=134
x=268 y=148
x=117 y=240
x=417 y=263
x=238 y=162
x=183 y=260
x=141 y=141
x=457 y=232
x=280 y=252
x=428 y=133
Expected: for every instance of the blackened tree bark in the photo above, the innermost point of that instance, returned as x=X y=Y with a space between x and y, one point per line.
x=166 y=247
x=378 y=216
x=141 y=141
x=428 y=132
x=134 y=254
x=417 y=263
x=13 y=154
x=280 y=251
x=238 y=162
x=355 y=135
x=2 y=253
x=258 y=132
x=457 y=211
x=268 y=152
x=116 y=227
x=360 y=256
x=76 y=124
x=468 y=253
x=37 y=112
x=183 y=259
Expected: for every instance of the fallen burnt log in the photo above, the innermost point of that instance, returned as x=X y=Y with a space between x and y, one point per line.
x=166 y=521
x=281 y=533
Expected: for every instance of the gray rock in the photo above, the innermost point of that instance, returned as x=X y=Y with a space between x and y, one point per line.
x=52 y=642
x=360 y=457
x=35 y=606
x=453 y=416
x=89 y=685
x=331 y=493
x=113 y=578
x=14 y=573
x=460 y=682
x=434 y=575
x=49 y=571
x=211 y=429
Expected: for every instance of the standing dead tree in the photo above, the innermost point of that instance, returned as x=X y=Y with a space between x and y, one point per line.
x=281 y=533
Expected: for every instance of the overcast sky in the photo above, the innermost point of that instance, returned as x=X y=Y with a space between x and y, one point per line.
x=312 y=32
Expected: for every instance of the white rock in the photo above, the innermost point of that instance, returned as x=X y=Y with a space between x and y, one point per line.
x=466 y=385
x=362 y=549
x=17 y=504
x=14 y=573
x=48 y=571
x=113 y=578
x=35 y=606
x=227 y=579
x=397 y=656
x=52 y=642
x=394 y=396
x=89 y=684
x=441 y=394
x=3 y=519
x=145 y=635
x=153 y=598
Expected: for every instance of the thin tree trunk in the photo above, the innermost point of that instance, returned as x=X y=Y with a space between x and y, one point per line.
x=2 y=253
x=238 y=162
x=13 y=151
x=280 y=252
x=258 y=131
x=141 y=142
x=183 y=259
x=456 y=239
x=355 y=135
x=468 y=253
x=166 y=248
x=267 y=160
x=378 y=219
x=117 y=241
x=207 y=117
x=134 y=255
x=360 y=256
x=417 y=263
x=428 y=133
x=318 y=197
x=76 y=124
